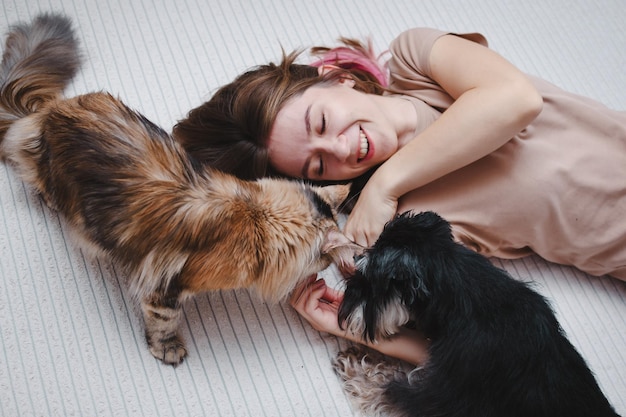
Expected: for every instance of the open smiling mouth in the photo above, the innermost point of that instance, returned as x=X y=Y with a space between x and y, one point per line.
x=364 y=145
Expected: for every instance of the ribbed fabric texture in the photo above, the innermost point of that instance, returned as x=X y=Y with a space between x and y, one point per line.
x=71 y=340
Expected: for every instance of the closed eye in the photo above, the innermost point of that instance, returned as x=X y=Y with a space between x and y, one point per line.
x=316 y=167
x=320 y=168
x=323 y=128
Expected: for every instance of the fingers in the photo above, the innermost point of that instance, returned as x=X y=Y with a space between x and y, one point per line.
x=311 y=297
x=316 y=289
x=373 y=209
x=299 y=293
x=364 y=235
x=364 y=227
x=318 y=304
x=331 y=295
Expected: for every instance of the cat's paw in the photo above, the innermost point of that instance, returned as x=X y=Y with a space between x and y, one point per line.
x=171 y=350
x=161 y=314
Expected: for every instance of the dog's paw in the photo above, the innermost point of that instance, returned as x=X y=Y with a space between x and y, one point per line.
x=365 y=375
x=171 y=351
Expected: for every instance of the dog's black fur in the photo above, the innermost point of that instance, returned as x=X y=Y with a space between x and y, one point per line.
x=496 y=348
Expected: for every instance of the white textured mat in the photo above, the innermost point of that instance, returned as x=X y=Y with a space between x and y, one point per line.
x=71 y=343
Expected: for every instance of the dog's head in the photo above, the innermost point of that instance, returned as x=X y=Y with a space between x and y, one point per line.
x=393 y=279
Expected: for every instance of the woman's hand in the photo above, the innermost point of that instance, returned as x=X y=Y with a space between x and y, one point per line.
x=371 y=212
x=319 y=305
x=493 y=102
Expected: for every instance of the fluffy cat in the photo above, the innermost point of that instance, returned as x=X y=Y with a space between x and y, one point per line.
x=131 y=192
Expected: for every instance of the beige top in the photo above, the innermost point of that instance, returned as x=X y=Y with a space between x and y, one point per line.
x=558 y=188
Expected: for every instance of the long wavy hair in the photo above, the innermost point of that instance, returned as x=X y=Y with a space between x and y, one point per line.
x=230 y=131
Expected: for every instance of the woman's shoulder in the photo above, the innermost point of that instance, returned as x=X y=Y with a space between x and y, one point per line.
x=421 y=39
x=420 y=33
x=415 y=39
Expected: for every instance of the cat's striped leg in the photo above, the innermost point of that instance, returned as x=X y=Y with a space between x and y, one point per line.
x=162 y=315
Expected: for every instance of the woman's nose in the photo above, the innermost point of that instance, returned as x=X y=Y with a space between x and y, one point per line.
x=339 y=148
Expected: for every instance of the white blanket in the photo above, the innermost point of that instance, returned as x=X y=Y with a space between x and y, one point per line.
x=71 y=341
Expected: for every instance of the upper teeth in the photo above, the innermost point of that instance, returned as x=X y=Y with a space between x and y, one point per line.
x=364 y=145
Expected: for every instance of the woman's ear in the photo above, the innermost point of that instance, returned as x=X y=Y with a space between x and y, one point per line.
x=326 y=68
x=349 y=81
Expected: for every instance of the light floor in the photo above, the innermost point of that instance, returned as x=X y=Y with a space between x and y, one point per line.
x=71 y=342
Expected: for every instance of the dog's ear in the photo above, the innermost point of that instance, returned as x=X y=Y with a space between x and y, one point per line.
x=378 y=297
x=365 y=308
x=401 y=268
x=404 y=252
x=358 y=291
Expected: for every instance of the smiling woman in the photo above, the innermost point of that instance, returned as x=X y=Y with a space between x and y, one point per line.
x=446 y=125
x=334 y=132
x=232 y=130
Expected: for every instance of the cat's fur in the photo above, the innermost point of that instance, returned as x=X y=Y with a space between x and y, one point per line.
x=133 y=194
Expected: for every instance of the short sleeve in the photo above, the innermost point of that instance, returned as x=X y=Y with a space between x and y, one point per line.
x=409 y=65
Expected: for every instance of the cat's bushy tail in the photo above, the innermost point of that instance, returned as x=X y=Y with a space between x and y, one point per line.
x=39 y=60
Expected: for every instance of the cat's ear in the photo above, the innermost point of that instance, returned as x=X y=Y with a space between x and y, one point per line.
x=334 y=194
x=342 y=250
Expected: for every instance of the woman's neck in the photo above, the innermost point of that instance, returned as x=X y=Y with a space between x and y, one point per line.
x=403 y=115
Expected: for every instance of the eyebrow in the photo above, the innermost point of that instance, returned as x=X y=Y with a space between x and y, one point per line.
x=307 y=119
x=307 y=124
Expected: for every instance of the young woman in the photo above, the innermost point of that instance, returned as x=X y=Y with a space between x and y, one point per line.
x=514 y=163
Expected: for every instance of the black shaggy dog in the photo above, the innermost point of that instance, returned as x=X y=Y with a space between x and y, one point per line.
x=496 y=348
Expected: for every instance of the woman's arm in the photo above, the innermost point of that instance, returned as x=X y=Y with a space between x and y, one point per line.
x=319 y=305
x=493 y=102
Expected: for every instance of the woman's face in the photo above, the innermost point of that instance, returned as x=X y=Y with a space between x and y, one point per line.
x=331 y=132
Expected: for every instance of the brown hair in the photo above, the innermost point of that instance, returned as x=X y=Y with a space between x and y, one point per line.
x=230 y=131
